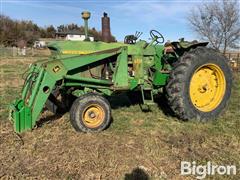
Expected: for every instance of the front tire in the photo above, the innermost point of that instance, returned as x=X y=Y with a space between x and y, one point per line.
x=199 y=85
x=90 y=113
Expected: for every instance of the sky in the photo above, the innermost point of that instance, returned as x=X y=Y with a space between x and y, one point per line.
x=167 y=16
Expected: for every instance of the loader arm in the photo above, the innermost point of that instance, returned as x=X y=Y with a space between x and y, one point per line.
x=40 y=81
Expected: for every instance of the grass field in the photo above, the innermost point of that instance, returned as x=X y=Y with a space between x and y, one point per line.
x=136 y=145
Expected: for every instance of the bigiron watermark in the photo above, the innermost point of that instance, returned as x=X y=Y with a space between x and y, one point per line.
x=201 y=171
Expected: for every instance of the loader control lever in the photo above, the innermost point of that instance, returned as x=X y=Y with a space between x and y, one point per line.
x=156 y=36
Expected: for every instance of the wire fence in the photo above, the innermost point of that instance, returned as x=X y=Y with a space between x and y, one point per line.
x=18 y=52
x=234 y=58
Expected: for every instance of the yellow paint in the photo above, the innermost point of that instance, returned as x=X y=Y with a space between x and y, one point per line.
x=137 y=65
x=56 y=69
x=76 y=52
x=137 y=61
x=93 y=116
x=207 y=87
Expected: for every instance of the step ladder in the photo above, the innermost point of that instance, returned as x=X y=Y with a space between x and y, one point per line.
x=147 y=96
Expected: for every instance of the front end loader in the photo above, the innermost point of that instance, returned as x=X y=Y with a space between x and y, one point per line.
x=195 y=79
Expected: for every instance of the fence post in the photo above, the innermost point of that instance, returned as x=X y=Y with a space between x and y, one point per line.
x=238 y=61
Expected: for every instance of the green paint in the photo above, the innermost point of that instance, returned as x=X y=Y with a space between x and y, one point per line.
x=133 y=83
x=141 y=66
x=160 y=79
x=87 y=80
x=120 y=78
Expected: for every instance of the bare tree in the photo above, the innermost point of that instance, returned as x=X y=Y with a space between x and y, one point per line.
x=218 y=22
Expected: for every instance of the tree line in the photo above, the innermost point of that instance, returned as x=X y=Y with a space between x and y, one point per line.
x=25 y=33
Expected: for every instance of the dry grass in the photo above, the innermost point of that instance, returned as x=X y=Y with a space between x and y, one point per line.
x=137 y=144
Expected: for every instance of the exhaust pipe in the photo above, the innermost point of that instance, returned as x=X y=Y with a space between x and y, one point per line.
x=106 y=33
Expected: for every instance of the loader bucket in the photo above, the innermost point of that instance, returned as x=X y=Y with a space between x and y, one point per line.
x=38 y=85
x=21 y=116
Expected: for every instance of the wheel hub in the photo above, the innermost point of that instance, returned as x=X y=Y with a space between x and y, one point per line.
x=93 y=116
x=203 y=88
x=207 y=87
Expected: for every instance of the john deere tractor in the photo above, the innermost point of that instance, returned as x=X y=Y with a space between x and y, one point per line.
x=79 y=75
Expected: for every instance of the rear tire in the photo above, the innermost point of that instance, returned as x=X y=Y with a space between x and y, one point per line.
x=199 y=85
x=90 y=113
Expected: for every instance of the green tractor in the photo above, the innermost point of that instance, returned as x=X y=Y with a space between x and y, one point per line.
x=79 y=76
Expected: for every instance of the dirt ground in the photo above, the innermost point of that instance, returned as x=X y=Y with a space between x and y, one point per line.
x=137 y=145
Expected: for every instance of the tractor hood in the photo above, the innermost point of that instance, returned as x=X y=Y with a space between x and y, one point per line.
x=81 y=47
x=70 y=48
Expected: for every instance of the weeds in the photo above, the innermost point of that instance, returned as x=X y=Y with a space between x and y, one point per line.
x=151 y=144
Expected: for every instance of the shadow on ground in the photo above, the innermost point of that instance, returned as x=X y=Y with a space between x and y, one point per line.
x=48 y=119
x=135 y=98
x=121 y=100
x=137 y=174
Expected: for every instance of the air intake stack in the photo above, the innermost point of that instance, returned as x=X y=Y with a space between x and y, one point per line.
x=106 y=33
x=86 y=15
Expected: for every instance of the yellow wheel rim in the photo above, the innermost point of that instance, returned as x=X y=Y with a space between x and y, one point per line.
x=93 y=116
x=207 y=87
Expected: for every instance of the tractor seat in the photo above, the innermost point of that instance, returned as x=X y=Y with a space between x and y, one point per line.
x=168 y=49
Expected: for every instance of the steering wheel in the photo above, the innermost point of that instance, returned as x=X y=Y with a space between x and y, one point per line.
x=157 y=36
